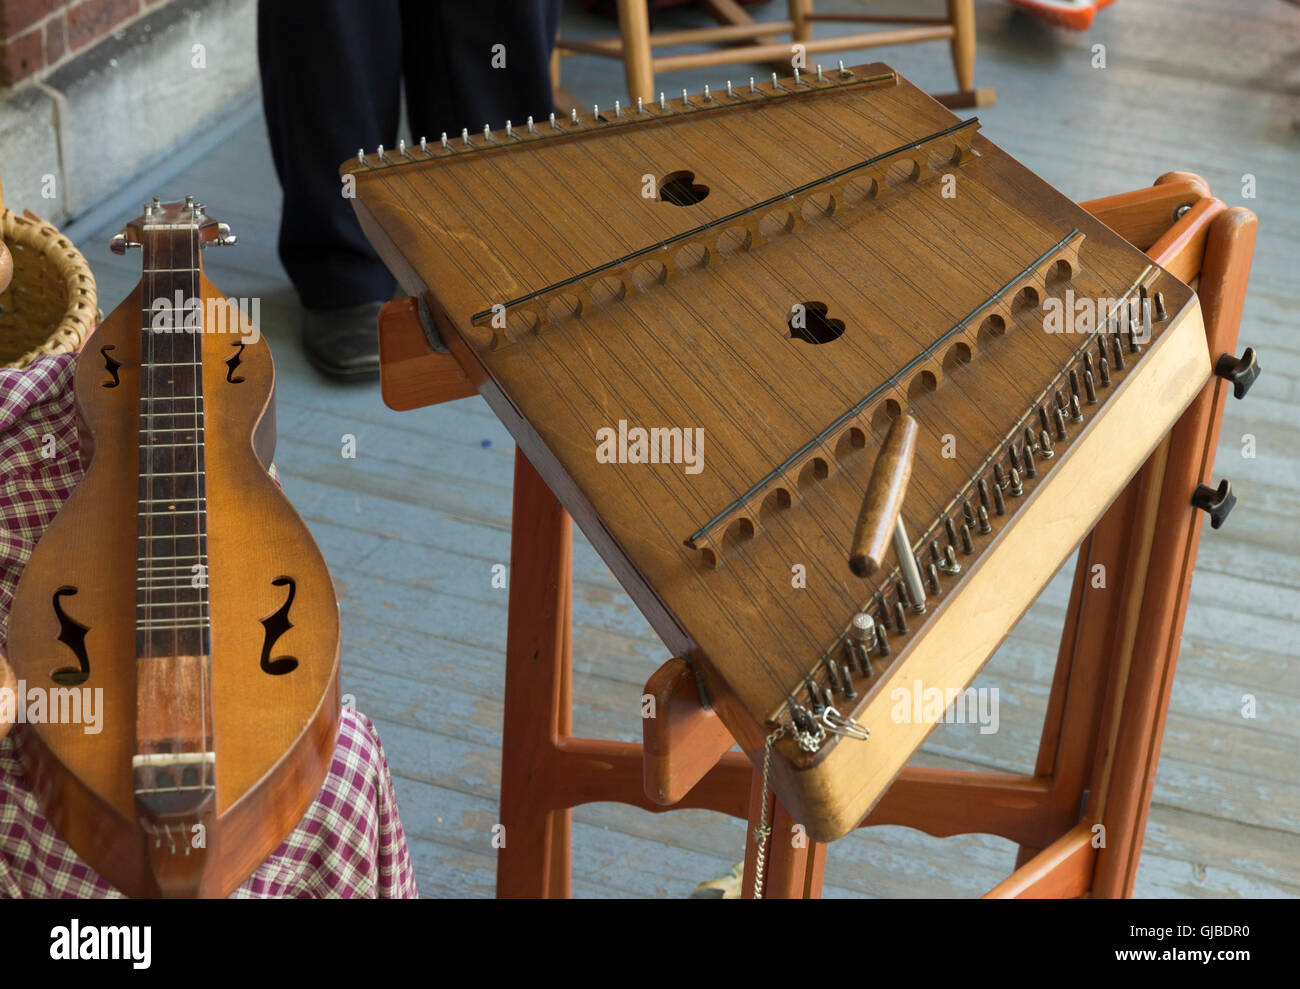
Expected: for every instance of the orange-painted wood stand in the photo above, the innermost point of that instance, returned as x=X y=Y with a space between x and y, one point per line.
x=1079 y=819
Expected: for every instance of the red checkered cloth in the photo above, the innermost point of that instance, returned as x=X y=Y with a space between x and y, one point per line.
x=350 y=842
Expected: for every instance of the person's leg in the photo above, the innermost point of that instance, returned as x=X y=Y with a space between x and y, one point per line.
x=470 y=64
x=331 y=83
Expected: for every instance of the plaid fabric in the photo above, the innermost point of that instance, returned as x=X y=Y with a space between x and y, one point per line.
x=350 y=842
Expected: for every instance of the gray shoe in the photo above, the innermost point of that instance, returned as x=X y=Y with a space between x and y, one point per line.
x=343 y=343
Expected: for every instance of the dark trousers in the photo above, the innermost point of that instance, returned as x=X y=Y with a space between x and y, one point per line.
x=332 y=77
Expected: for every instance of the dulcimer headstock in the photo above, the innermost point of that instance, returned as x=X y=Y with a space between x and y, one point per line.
x=157 y=216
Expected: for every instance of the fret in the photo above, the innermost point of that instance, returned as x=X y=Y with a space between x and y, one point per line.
x=161 y=271
x=170 y=446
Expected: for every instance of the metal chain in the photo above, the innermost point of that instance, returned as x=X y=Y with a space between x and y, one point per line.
x=764 y=831
x=809 y=742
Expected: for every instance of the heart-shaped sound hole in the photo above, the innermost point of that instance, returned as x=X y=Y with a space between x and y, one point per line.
x=681 y=189
x=809 y=323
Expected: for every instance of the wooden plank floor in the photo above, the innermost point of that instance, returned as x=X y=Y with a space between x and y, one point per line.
x=412 y=526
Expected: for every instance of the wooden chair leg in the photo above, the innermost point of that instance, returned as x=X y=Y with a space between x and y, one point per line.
x=634 y=25
x=962 y=15
x=795 y=865
x=799 y=11
x=534 y=859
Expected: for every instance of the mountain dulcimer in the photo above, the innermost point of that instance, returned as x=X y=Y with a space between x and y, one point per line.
x=178 y=584
x=714 y=322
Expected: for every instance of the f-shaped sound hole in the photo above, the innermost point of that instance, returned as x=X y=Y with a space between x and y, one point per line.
x=276 y=624
x=110 y=366
x=72 y=634
x=233 y=362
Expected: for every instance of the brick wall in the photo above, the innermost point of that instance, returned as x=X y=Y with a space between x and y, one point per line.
x=38 y=35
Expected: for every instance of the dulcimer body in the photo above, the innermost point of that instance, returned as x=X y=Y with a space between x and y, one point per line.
x=178 y=580
x=700 y=319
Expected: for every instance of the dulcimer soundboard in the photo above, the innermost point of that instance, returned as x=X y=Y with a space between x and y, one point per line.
x=700 y=319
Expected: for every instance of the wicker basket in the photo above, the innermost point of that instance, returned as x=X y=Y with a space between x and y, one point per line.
x=50 y=306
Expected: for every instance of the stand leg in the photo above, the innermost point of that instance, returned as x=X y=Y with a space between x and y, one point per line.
x=795 y=864
x=534 y=861
x=1175 y=539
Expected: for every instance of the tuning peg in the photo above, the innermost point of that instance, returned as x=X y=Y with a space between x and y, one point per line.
x=1241 y=371
x=119 y=243
x=1216 y=502
x=224 y=237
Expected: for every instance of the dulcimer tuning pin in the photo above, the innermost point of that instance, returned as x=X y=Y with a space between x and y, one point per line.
x=1045 y=446
x=999 y=476
x=1076 y=412
x=1030 y=469
x=1015 y=487
x=119 y=243
x=950 y=565
x=1103 y=369
x=999 y=501
x=1058 y=423
x=861 y=640
x=932 y=579
x=1161 y=315
x=1117 y=353
x=1089 y=387
x=845 y=677
x=900 y=618
x=985 y=526
x=882 y=641
x=967 y=546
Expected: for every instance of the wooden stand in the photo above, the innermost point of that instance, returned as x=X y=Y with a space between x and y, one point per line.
x=1079 y=820
x=741 y=40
